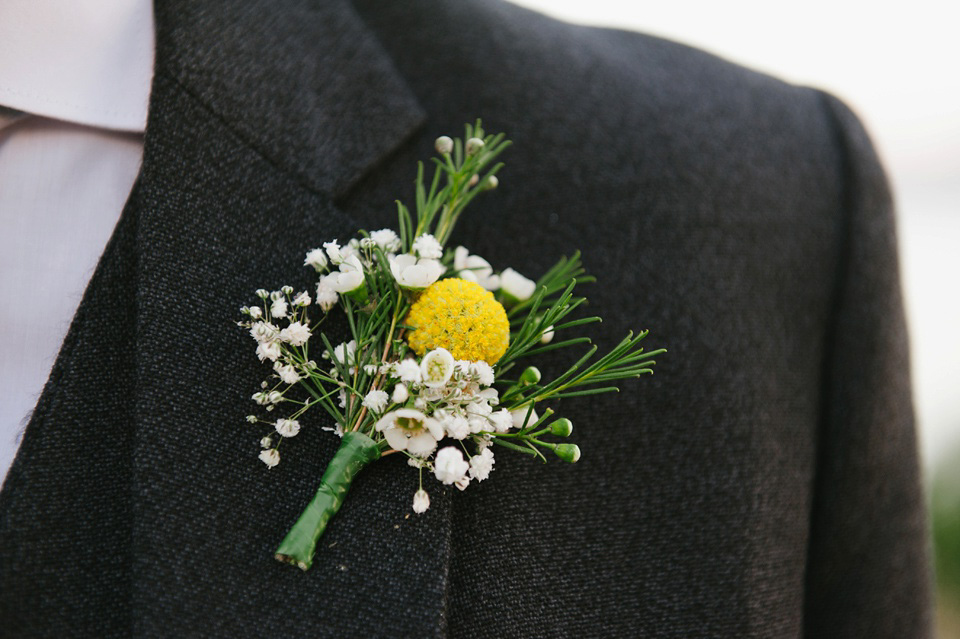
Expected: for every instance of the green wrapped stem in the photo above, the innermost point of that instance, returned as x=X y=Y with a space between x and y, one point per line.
x=355 y=452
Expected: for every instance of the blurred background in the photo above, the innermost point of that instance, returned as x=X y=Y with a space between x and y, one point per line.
x=897 y=70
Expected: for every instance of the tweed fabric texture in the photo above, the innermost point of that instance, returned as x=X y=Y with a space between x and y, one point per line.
x=762 y=483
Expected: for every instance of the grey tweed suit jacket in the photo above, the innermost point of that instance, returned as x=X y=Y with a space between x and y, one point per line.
x=763 y=483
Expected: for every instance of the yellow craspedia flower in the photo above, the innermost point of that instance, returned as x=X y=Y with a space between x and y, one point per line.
x=461 y=317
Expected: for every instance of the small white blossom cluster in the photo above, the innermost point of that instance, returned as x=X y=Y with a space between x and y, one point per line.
x=415 y=403
x=280 y=328
x=440 y=397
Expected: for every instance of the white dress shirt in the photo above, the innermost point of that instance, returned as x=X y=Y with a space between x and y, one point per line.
x=80 y=73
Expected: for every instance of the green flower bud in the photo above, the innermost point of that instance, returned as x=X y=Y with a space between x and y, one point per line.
x=562 y=427
x=531 y=375
x=568 y=452
x=492 y=183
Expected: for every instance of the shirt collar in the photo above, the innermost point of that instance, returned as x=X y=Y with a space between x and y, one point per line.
x=83 y=61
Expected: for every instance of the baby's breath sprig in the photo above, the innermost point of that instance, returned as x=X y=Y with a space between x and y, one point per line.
x=434 y=334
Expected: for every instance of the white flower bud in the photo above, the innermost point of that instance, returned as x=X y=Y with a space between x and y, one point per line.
x=492 y=183
x=262 y=293
x=266 y=442
x=547 y=336
x=474 y=145
x=400 y=394
x=421 y=501
x=443 y=144
x=516 y=287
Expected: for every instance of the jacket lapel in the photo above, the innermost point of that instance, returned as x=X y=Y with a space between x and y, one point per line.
x=260 y=116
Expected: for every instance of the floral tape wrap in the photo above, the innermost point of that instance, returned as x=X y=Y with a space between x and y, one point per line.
x=355 y=452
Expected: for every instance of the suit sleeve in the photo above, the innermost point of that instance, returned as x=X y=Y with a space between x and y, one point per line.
x=868 y=558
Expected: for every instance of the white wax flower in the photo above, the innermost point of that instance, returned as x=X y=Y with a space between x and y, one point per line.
x=333 y=251
x=400 y=394
x=407 y=371
x=421 y=501
x=317 y=259
x=517 y=286
x=386 y=239
x=436 y=368
x=449 y=465
x=376 y=400
x=288 y=427
x=427 y=246
x=475 y=269
x=415 y=274
x=326 y=296
x=481 y=464
x=288 y=374
x=349 y=278
x=270 y=457
x=279 y=308
x=518 y=415
x=296 y=334
x=268 y=350
x=410 y=430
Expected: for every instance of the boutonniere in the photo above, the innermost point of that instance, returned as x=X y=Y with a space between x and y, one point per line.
x=438 y=367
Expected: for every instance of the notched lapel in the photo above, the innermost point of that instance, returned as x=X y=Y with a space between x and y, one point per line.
x=305 y=83
x=233 y=189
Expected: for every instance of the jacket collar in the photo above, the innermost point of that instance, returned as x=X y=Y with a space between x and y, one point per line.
x=306 y=84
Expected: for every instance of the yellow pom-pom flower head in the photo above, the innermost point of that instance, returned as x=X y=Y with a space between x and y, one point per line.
x=461 y=317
